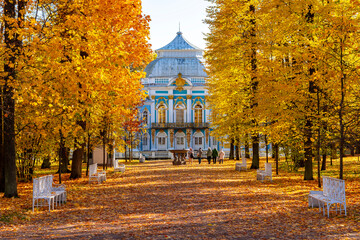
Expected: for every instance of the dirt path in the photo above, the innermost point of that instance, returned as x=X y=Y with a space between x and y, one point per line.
x=157 y=200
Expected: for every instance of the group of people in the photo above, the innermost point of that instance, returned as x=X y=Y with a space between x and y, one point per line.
x=211 y=154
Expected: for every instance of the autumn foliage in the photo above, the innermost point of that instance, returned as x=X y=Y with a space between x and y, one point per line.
x=74 y=71
x=288 y=70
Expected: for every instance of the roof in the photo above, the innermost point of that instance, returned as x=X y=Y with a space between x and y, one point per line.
x=170 y=67
x=179 y=43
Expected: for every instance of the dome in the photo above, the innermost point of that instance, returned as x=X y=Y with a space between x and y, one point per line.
x=179 y=56
x=179 y=43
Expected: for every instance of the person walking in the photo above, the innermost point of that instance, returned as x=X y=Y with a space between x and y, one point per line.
x=214 y=155
x=208 y=154
x=199 y=155
x=221 y=156
x=190 y=155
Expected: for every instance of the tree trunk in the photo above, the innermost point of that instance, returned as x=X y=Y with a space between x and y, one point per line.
x=11 y=45
x=341 y=123
x=64 y=160
x=254 y=85
x=266 y=149
x=131 y=147
x=104 y=154
x=78 y=155
x=323 y=165
x=2 y=159
x=237 y=152
x=357 y=146
x=231 y=154
x=46 y=163
x=247 y=149
x=333 y=153
x=111 y=155
x=76 y=165
x=276 y=152
x=352 y=150
x=255 y=148
x=88 y=155
x=308 y=174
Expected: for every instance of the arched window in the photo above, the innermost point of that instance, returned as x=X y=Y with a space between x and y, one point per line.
x=180 y=140
x=162 y=114
x=198 y=113
x=162 y=141
x=145 y=140
x=198 y=140
x=145 y=117
x=180 y=113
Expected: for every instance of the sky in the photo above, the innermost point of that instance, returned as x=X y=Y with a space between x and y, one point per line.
x=167 y=14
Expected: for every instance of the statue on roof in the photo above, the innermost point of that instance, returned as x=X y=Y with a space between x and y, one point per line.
x=180 y=82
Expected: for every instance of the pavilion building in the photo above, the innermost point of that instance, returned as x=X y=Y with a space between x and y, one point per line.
x=175 y=113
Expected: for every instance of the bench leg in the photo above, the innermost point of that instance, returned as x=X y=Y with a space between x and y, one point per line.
x=344 y=208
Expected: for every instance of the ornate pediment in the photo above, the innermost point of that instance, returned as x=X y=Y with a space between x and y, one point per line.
x=180 y=82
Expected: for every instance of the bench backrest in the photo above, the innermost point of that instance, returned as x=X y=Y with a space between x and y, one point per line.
x=93 y=169
x=334 y=188
x=116 y=163
x=243 y=160
x=41 y=186
x=268 y=169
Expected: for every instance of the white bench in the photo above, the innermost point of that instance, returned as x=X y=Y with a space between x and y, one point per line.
x=118 y=167
x=46 y=194
x=333 y=194
x=241 y=166
x=58 y=189
x=264 y=174
x=95 y=175
x=141 y=158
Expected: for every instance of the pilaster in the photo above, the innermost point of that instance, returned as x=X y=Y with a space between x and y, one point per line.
x=189 y=106
x=171 y=108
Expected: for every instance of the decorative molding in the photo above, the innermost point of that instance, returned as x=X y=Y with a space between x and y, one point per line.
x=171 y=137
x=188 y=136
x=153 y=97
x=171 y=97
x=153 y=135
x=188 y=96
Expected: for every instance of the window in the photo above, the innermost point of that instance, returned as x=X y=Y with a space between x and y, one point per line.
x=214 y=141
x=162 y=80
x=179 y=111
x=179 y=115
x=162 y=114
x=145 y=140
x=198 y=114
x=161 y=140
x=145 y=117
x=198 y=80
x=198 y=140
x=180 y=141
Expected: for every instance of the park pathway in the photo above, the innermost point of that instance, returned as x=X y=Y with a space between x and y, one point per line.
x=157 y=200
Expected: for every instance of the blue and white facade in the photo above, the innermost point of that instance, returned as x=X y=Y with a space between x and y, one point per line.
x=175 y=113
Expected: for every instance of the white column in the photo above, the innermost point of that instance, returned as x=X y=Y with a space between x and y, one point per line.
x=188 y=109
x=207 y=114
x=171 y=109
x=152 y=139
x=153 y=119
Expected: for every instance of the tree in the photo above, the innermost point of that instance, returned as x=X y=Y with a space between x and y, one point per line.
x=49 y=76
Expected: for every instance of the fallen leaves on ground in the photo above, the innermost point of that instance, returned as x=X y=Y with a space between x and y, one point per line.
x=156 y=200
